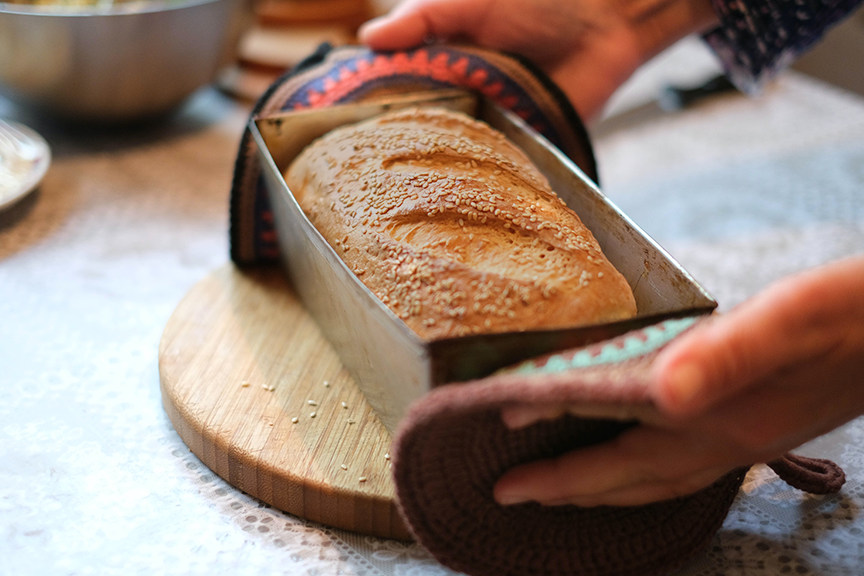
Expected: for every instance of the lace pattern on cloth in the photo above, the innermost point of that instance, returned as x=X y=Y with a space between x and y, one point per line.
x=771 y=528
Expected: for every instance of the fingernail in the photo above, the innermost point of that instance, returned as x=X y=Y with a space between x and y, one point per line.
x=510 y=499
x=370 y=25
x=684 y=384
x=515 y=419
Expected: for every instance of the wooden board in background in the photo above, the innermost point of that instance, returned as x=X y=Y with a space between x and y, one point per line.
x=237 y=327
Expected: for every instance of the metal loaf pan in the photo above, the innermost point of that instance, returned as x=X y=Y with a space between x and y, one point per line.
x=391 y=364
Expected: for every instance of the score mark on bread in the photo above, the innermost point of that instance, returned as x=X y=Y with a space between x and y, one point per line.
x=454 y=228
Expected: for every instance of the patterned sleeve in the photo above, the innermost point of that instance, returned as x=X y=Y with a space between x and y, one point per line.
x=758 y=38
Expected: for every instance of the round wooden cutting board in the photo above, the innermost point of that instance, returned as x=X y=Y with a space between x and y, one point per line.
x=243 y=368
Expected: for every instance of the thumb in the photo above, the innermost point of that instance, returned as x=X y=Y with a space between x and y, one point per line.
x=412 y=22
x=773 y=332
x=394 y=31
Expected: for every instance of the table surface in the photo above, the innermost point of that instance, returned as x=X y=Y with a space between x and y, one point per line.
x=93 y=478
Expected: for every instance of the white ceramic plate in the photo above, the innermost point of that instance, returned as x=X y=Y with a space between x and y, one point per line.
x=24 y=159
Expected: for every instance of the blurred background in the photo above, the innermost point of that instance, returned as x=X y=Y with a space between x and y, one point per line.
x=129 y=59
x=122 y=60
x=282 y=32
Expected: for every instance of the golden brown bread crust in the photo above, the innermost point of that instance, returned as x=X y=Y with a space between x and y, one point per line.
x=453 y=227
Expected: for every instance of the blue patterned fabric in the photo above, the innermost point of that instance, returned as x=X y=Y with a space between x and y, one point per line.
x=637 y=344
x=758 y=38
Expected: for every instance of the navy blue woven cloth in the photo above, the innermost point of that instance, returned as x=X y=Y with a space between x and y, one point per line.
x=758 y=38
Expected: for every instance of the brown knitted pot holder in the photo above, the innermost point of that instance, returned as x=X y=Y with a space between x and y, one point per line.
x=453 y=446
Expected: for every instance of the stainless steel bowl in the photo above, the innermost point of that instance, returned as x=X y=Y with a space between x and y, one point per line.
x=119 y=62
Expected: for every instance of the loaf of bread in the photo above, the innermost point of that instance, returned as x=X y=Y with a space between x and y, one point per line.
x=453 y=227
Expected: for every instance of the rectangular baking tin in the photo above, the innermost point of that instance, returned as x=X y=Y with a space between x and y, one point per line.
x=391 y=364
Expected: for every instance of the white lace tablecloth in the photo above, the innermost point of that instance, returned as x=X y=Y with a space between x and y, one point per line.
x=93 y=478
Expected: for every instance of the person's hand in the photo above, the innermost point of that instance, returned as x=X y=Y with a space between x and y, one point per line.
x=778 y=370
x=588 y=47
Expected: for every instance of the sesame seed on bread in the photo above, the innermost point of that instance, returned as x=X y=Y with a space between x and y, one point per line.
x=453 y=227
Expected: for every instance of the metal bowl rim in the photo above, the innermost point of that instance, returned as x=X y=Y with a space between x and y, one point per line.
x=131 y=8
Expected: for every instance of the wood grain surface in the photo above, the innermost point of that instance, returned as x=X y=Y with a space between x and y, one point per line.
x=239 y=360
